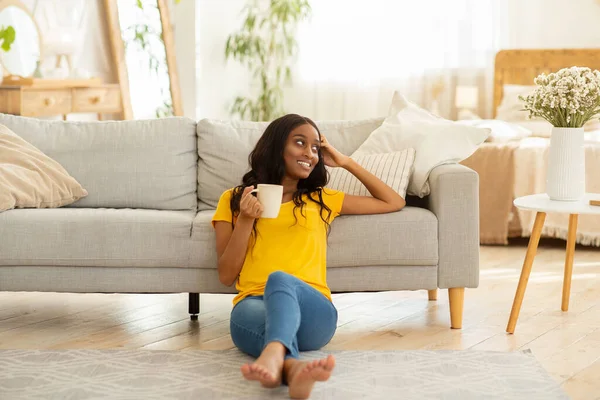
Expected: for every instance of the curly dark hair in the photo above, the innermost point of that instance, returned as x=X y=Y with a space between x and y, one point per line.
x=267 y=166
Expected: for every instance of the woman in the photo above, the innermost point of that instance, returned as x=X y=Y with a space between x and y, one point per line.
x=283 y=304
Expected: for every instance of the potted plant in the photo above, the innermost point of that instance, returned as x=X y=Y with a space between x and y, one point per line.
x=266 y=45
x=567 y=99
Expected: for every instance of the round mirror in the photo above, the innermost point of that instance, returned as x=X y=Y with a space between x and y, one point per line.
x=26 y=50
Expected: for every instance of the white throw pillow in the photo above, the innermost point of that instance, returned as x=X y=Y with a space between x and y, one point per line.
x=436 y=141
x=410 y=110
x=394 y=169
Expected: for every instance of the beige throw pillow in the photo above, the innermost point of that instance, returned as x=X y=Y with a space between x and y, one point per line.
x=31 y=179
x=394 y=169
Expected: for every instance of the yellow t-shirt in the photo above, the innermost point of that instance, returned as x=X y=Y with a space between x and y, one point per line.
x=299 y=249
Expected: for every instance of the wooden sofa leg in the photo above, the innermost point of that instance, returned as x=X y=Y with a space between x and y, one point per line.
x=432 y=294
x=194 y=306
x=456 y=297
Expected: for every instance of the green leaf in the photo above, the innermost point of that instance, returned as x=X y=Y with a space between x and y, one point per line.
x=228 y=47
x=250 y=22
x=7 y=36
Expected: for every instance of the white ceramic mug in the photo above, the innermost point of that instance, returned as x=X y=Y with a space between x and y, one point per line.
x=270 y=197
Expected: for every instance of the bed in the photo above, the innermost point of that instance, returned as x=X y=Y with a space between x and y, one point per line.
x=513 y=166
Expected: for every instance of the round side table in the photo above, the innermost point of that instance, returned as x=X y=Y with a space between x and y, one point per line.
x=542 y=204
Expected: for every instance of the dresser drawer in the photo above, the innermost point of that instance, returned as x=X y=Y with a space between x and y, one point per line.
x=97 y=99
x=45 y=102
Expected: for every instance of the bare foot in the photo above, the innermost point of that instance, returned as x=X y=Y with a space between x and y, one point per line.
x=267 y=369
x=301 y=375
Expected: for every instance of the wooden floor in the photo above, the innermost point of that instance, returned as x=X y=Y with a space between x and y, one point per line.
x=567 y=344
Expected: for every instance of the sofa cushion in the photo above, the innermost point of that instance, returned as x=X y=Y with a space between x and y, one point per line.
x=224 y=146
x=137 y=164
x=204 y=253
x=95 y=237
x=408 y=237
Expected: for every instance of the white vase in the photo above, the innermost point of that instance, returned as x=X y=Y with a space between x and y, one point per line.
x=566 y=165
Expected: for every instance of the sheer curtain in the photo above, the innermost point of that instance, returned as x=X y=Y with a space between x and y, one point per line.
x=353 y=54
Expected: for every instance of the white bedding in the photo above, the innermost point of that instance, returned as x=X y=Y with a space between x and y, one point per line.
x=531 y=140
x=530 y=177
x=531 y=157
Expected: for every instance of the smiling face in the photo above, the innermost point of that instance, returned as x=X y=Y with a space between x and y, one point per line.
x=301 y=153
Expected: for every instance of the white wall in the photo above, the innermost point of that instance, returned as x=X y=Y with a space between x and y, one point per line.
x=554 y=24
x=218 y=82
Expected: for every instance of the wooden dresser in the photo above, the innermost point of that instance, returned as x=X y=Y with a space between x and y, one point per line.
x=60 y=98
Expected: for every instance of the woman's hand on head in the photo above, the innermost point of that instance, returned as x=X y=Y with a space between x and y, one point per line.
x=331 y=156
x=250 y=207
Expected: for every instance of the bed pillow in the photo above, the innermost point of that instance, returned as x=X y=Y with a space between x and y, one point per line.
x=511 y=108
x=501 y=131
x=435 y=140
x=31 y=179
x=394 y=169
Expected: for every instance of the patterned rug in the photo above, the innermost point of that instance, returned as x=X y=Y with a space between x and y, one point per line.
x=137 y=374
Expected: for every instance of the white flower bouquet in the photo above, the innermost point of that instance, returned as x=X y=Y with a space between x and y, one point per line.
x=568 y=98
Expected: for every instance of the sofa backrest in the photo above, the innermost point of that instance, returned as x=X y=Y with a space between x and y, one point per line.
x=224 y=146
x=122 y=164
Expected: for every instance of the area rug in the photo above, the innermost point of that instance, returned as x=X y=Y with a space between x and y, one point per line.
x=194 y=374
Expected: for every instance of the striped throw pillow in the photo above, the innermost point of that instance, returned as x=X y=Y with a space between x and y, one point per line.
x=394 y=169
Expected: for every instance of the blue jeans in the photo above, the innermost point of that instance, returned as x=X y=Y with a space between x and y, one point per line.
x=290 y=312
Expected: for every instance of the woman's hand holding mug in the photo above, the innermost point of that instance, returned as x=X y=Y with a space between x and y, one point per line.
x=265 y=205
x=250 y=207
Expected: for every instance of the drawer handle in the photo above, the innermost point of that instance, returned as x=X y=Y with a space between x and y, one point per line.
x=95 y=99
x=49 y=101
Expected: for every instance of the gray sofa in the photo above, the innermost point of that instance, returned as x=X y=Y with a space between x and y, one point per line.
x=145 y=225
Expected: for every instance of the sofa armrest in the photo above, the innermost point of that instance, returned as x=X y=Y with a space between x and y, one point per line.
x=454 y=199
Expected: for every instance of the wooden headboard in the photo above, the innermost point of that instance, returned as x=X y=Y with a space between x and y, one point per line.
x=520 y=67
